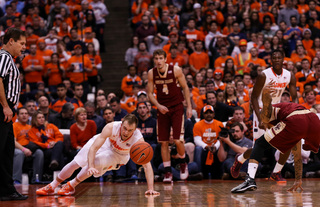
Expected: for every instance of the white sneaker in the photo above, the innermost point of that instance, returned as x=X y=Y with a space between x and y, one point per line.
x=167 y=177
x=184 y=173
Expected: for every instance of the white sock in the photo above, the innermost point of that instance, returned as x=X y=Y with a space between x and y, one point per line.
x=65 y=173
x=54 y=183
x=167 y=164
x=252 y=169
x=277 y=168
x=241 y=159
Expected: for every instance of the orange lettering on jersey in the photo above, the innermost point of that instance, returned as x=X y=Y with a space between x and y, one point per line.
x=115 y=145
x=279 y=85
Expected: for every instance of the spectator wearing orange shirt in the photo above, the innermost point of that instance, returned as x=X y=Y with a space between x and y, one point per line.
x=62 y=98
x=54 y=71
x=173 y=39
x=81 y=131
x=215 y=14
x=313 y=78
x=89 y=38
x=191 y=32
x=137 y=9
x=96 y=63
x=299 y=55
x=129 y=80
x=48 y=138
x=302 y=75
x=78 y=66
x=310 y=98
x=220 y=62
x=198 y=59
x=42 y=51
x=307 y=41
x=33 y=66
x=265 y=12
x=31 y=37
x=254 y=60
x=24 y=148
x=173 y=57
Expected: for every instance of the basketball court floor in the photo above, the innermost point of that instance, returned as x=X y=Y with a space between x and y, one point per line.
x=196 y=193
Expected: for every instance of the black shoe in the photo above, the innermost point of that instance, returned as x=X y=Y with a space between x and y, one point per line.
x=14 y=197
x=54 y=165
x=197 y=176
x=248 y=184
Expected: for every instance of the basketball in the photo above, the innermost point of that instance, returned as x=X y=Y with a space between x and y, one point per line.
x=141 y=153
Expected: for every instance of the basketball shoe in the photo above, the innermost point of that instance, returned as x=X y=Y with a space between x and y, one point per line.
x=248 y=185
x=46 y=190
x=167 y=177
x=277 y=177
x=235 y=169
x=184 y=173
x=66 y=189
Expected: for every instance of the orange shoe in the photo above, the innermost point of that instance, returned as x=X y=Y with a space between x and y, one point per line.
x=46 y=190
x=66 y=189
x=277 y=177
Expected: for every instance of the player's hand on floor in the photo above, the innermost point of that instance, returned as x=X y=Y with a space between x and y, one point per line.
x=151 y=192
x=92 y=171
x=297 y=184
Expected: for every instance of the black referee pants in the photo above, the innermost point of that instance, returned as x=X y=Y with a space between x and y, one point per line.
x=6 y=156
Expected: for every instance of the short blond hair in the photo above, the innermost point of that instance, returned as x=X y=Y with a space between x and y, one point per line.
x=78 y=112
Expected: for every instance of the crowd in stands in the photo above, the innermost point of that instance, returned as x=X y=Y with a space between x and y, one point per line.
x=221 y=46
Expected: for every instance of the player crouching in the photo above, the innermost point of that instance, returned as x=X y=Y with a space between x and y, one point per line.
x=106 y=151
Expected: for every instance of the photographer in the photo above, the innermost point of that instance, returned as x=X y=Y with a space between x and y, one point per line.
x=232 y=143
x=205 y=134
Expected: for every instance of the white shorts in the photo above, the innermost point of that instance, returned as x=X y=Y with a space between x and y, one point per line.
x=106 y=159
x=257 y=132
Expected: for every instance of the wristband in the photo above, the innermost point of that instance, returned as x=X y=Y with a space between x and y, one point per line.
x=23 y=149
x=48 y=146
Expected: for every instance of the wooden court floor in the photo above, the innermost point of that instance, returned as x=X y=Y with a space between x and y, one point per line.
x=200 y=193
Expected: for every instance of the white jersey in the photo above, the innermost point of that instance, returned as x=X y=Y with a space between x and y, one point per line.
x=281 y=82
x=113 y=152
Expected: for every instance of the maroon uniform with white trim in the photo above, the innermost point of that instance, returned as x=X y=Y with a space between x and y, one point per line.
x=169 y=94
x=292 y=122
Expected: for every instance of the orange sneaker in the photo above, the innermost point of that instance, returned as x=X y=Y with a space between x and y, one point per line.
x=46 y=190
x=66 y=189
x=277 y=177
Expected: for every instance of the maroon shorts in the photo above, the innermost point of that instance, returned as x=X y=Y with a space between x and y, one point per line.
x=286 y=134
x=175 y=119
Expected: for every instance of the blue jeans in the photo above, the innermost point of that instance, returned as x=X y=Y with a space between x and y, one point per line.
x=192 y=169
x=227 y=164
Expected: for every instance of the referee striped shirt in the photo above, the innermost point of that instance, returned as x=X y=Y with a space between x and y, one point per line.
x=10 y=75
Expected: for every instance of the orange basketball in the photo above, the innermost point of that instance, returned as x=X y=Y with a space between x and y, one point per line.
x=141 y=153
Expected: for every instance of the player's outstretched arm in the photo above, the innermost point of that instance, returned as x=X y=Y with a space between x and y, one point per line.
x=106 y=132
x=150 y=179
x=296 y=151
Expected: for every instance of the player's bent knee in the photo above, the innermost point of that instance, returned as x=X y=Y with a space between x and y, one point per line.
x=259 y=147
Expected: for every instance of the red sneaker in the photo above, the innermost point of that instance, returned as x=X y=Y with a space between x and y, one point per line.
x=277 y=177
x=184 y=173
x=167 y=177
x=46 y=190
x=66 y=189
x=235 y=169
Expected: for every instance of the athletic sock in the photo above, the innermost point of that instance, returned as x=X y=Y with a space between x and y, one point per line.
x=241 y=159
x=277 y=168
x=252 y=169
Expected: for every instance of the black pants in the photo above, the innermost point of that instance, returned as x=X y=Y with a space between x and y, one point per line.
x=6 y=155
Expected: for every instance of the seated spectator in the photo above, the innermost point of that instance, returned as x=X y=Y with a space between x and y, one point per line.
x=230 y=95
x=49 y=139
x=108 y=115
x=55 y=72
x=310 y=98
x=206 y=133
x=64 y=119
x=102 y=103
x=129 y=80
x=91 y=115
x=230 y=147
x=78 y=96
x=62 y=98
x=43 y=106
x=81 y=131
x=239 y=116
x=25 y=150
x=31 y=108
x=116 y=107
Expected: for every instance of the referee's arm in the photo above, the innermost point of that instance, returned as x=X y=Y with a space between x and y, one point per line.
x=3 y=101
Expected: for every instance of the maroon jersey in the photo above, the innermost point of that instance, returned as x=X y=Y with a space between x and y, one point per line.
x=168 y=89
x=285 y=110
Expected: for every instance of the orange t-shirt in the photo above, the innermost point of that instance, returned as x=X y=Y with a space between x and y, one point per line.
x=130 y=104
x=257 y=61
x=51 y=131
x=57 y=104
x=45 y=53
x=194 y=35
x=31 y=40
x=76 y=76
x=178 y=60
x=221 y=61
x=302 y=8
x=295 y=58
x=307 y=44
x=20 y=132
x=137 y=17
x=33 y=76
x=246 y=107
x=55 y=77
x=128 y=82
x=95 y=60
x=78 y=137
x=199 y=60
x=208 y=132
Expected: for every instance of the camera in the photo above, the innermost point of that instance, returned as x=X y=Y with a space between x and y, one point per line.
x=225 y=132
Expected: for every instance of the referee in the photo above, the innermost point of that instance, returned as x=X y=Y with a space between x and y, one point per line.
x=14 y=42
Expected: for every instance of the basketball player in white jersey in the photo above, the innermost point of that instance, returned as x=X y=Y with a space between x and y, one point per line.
x=106 y=151
x=278 y=78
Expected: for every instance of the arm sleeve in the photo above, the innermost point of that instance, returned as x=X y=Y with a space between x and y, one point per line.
x=198 y=141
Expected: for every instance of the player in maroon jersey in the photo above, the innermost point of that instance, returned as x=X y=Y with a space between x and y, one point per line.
x=168 y=81
x=290 y=123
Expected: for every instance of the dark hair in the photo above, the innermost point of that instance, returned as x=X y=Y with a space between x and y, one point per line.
x=13 y=33
x=237 y=124
x=18 y=110
x=108 y=108
x=210 y=92
x=61 y=85
x=237 y=108
x=115 y=99
x=34 y=118
x=75 y=85
x=279 y=51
